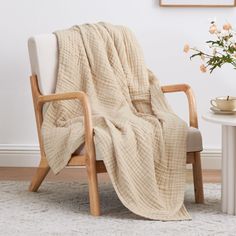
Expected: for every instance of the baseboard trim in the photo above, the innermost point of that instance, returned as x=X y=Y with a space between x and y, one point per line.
x=19 y=155
x=211 y=159
x=29 y=156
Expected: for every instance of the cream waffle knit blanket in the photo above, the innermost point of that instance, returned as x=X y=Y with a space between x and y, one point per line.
x=142 y=142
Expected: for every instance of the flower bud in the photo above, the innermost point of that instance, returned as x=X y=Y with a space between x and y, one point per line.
x=203 y=68
x=186 y=48
x=213 y=29
x=227 y=26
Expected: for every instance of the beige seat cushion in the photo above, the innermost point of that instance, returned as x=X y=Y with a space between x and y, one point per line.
x=194 y=140
x=194 y=143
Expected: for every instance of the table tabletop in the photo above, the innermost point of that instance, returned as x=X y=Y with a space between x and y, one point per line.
x=220 y=119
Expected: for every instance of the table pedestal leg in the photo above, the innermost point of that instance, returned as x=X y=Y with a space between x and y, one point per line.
x=228 y=187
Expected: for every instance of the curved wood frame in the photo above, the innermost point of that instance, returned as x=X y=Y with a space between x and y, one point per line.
x=88 y=160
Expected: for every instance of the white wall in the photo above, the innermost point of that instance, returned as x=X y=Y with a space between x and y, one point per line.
x=162 y=32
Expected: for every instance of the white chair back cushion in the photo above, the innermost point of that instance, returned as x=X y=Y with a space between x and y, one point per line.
x=43 y=52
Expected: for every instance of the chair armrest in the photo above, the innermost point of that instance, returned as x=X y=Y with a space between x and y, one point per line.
x=83 y=98
x=193 y=120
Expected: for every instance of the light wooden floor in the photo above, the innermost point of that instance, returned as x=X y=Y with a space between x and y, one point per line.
x=79 y=174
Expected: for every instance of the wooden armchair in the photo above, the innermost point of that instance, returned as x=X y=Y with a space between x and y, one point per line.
x=43 y=58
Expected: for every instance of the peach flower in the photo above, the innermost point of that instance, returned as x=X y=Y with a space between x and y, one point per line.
x=203 y=68
x=213 y=29
x=186 y=48
x=227 y=26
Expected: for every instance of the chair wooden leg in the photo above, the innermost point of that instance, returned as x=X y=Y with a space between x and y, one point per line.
x=39 y=176
x=197 y=178
x=93 y=189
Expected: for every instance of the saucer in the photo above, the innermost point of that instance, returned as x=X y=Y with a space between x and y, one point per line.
x=218 y=111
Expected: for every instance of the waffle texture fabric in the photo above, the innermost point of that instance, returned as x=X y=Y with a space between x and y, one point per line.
x=141 y=140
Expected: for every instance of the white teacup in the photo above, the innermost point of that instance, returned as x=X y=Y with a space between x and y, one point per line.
x=226 y=103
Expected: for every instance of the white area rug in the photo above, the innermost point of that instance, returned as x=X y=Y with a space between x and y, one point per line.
x=63 y=209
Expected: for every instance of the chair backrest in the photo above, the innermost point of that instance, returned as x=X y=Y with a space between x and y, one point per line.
x=43 y=53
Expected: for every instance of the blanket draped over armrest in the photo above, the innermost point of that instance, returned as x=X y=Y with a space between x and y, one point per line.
x=141 y=140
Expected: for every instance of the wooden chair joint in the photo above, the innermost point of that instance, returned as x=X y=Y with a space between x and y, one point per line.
x=193 y=119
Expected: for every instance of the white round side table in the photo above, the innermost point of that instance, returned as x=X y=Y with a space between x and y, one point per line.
x=228 y=188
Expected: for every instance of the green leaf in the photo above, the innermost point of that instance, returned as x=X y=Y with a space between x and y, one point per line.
x=196 y=54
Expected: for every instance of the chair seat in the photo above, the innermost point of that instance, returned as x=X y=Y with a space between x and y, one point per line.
x=194 y=140
x=194 y=143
